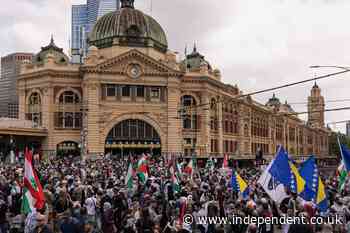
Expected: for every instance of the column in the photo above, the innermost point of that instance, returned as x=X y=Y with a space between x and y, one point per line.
x=47 y=109
x=21 y=104
x=241 y=122
x=94 y=145
x=204 y=135
x=220 y=129
x=174 y=129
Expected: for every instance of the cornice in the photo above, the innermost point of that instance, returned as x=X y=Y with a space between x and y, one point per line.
x=50 y=72
x=161 y=69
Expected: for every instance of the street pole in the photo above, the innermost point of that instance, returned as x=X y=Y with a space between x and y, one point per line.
x=83 y=133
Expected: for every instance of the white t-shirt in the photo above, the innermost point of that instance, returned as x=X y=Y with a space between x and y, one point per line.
x=90 y=204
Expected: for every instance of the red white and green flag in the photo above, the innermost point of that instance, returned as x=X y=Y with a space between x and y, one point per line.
x=142 y=169
x=174 y=179
x=342 y=175
x=189 y=169
x=33 y=196
x=129 y=176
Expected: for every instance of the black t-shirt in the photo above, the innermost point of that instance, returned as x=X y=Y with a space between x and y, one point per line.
x=60 y=207
x=45 y=229
x=144 y=225
x=3 y=211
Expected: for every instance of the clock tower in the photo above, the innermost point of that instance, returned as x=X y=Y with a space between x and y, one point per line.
x=316 y=107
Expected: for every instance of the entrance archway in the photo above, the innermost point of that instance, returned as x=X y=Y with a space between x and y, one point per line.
x=68 y=148
x=133 y=137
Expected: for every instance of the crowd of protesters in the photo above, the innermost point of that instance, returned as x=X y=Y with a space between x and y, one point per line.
x=92 y=196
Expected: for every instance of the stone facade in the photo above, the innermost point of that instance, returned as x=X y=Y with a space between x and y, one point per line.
x=133 y=99
x=194 y=113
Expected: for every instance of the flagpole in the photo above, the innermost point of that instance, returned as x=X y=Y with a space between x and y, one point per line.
x=340 y=148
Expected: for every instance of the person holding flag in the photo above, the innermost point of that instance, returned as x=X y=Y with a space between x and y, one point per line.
x=344 y=167
x=33 y=196
x=130 y=176
x=225 y=162
x=272 y=186
x=239 y=185
x=174 y=178
x=142 y=169
x=315 y=190
x=285 y=172
x=210 y=165
x=189 y=169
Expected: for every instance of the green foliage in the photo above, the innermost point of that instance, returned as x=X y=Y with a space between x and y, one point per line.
x=333 y=143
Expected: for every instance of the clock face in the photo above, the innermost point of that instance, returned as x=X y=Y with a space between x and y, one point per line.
x=135 y=71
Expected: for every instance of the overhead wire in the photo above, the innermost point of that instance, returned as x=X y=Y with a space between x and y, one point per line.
x=275 y=88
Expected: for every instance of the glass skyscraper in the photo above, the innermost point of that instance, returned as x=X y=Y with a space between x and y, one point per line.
x=84 y=18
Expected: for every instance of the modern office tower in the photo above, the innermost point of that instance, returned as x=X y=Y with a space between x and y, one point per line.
x=84 y=18
x=10 y=69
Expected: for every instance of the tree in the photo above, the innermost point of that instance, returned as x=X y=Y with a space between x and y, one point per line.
x=333 y=143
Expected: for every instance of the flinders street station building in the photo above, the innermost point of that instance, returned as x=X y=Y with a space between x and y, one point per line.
x=132 y=95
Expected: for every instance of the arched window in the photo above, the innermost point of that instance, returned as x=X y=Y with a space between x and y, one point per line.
x=213 y=104
x=246 y=130
x=68 y=116
x=34 y=98
x=69 y=97
x=213 y=115
x=69 y=119
x=33 y=112
x=189 y=117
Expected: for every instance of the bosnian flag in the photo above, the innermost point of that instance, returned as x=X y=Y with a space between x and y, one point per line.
x=33 y=196
x=239 y=185
x=142 y=169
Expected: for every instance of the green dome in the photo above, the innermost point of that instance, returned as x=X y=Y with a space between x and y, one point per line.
x=128 y=27
x=194 y=61
x=57 y=52
x=273 y=102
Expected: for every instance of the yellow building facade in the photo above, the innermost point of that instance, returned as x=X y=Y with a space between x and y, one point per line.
x=132 y=95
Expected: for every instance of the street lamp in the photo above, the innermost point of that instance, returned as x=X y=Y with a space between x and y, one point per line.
x=338 y=67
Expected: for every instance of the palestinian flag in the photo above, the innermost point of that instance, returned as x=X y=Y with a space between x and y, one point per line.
x=129 y=177
x=342 y=175
x=178 y=168
x=33 y=196
x=190 y=167
x=210 y=164
x=142 y=169
x=174 y=179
